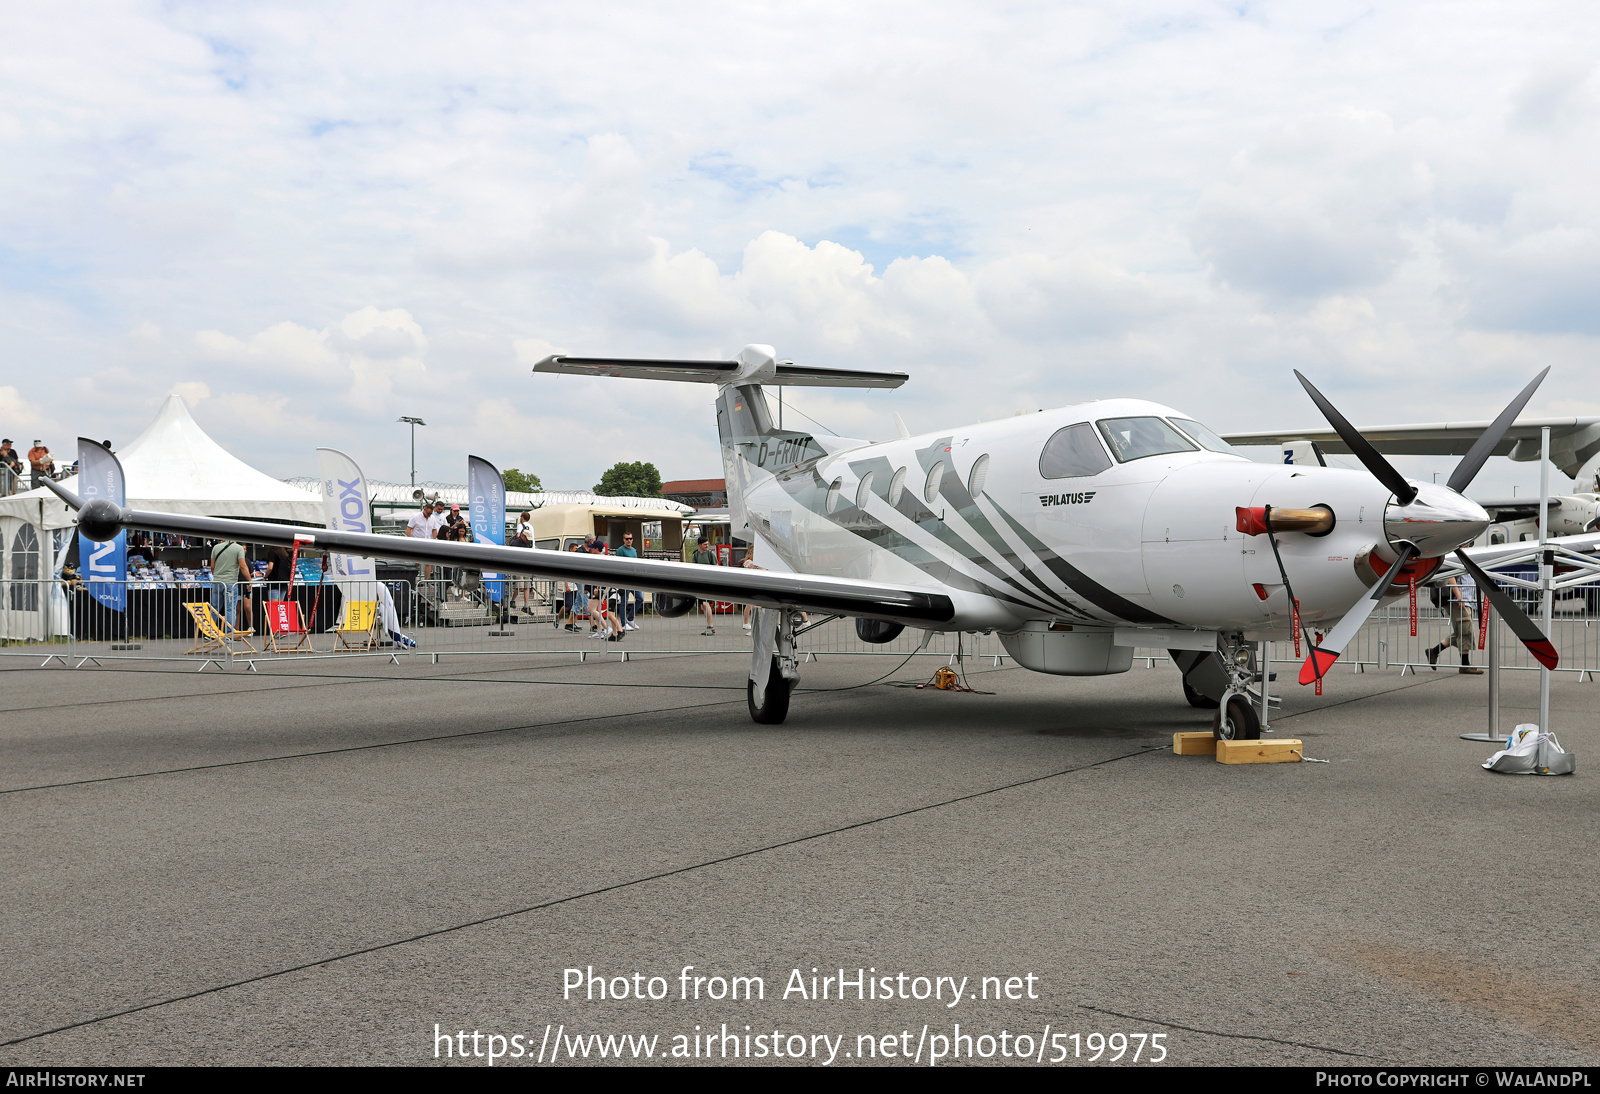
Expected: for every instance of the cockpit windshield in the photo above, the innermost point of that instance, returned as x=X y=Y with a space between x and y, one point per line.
x=1136 y=438
x=1208 y=440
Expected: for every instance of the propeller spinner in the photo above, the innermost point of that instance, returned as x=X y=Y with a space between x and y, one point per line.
x=1426 y=521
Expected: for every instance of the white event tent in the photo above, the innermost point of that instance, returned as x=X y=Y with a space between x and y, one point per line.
x=174 y=466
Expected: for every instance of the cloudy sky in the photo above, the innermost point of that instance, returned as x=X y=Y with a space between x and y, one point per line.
x=311 y=219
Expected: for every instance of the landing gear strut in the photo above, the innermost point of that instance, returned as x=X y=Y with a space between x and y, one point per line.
x=1236 y=718
x=774 y=669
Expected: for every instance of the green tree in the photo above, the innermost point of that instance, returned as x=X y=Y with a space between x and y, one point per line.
x=640 y=480
x=521 y=482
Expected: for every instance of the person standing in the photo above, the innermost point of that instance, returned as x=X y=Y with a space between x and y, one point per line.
x=704 y=556
x=10 y=468
x=279 y=559
x=39 y=461
x=577 y=599
x=1463 y=629
x=749 y=563
x=629 y=596
x=420 y=525
x=228 y=569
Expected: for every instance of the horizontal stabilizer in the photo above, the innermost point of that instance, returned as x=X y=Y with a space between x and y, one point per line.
x=749 y=369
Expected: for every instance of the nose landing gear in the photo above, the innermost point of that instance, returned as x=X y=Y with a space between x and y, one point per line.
x=1236 y=718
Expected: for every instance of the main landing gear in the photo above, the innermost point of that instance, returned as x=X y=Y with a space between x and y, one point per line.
x=774 y=670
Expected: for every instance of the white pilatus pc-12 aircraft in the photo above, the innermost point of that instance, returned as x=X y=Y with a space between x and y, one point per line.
x=1075 y=534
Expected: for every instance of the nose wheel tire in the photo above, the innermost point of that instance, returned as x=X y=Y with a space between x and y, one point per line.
x=1237 y=721
x=776 y=707
x=1197 y=698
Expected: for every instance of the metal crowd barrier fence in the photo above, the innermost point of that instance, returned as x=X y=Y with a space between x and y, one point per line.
x=457 y=616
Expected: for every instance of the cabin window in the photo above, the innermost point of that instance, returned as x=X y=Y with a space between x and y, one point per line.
x=864 y=491
x=1138 y=438
x=975 y=477
x=1206 y=438
x=835 y=489
x=1072 y=453
x=897 y=486
x=930 y=490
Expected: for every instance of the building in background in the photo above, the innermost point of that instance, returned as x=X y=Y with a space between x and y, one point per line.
x=700 y=493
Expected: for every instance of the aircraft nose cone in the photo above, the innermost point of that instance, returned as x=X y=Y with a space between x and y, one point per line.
x=1436 y=523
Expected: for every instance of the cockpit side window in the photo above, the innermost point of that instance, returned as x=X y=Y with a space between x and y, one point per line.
x=1136 y=438
x=1208 y=440
x=1072 y=452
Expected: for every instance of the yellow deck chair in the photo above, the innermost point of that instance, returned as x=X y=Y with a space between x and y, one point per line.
x=212 y=633
x=358 y=630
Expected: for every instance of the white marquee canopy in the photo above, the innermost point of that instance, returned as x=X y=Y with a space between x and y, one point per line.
x=175 y=466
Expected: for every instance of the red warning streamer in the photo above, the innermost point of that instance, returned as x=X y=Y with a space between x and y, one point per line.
x=1294 y=615
x=1483 y=623
x=1412 y=584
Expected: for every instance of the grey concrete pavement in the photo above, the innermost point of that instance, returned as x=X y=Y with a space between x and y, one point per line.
x=371 y=853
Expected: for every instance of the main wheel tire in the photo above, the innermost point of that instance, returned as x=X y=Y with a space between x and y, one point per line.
x=1240 y=723
x=1198 y=699
x=776 y=708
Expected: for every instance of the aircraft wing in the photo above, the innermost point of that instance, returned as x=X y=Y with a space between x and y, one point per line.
x=1573 y=441
x=1515 y=508
x=1490 y=555
x=765 y=588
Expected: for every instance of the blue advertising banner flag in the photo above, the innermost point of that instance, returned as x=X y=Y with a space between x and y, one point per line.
x=103 y=565
x=486 y=504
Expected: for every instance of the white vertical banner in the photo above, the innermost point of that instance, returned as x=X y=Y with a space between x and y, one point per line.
x=346 y=507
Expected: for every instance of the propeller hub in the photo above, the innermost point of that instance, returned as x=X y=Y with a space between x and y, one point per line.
x=1436 y=522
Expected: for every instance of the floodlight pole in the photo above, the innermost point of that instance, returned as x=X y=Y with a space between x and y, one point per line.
x=1546 y=571
x=414 y=422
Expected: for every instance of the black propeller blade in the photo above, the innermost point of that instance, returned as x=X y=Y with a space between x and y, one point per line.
x=1524 y=628
x=1481 y=449
x=1371 y=458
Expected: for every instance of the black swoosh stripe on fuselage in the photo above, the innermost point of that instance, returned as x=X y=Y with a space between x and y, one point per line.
x=953 y=490
x=1078 y=581
x=810 y=491
x=913 y=510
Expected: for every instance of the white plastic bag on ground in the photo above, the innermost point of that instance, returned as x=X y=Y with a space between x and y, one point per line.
x=1529 y=752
